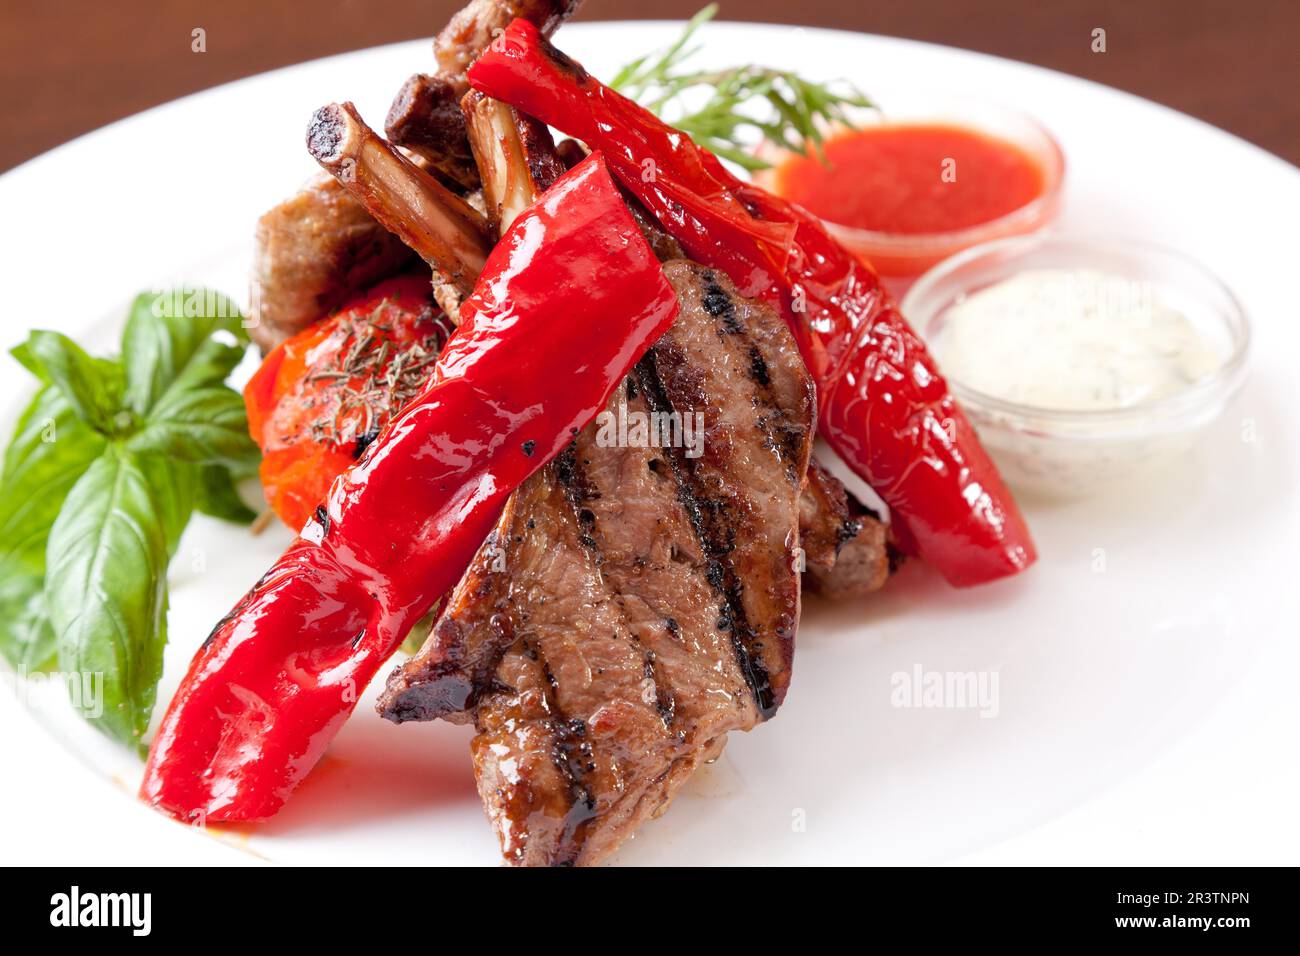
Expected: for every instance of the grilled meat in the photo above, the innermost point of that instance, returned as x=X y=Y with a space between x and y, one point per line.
x=477 y=24
x=425 y=119
x=635 y=604
x=425 y=116
x=846 y=550
x=313 y=253
x=320 y=248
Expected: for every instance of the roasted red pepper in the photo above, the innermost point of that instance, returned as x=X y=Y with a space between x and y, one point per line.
x=568 y=301
x=883 y=405
x=321 y=397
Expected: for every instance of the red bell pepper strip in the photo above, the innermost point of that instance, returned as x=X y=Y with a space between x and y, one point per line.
x=883 y=405
x=568 y=301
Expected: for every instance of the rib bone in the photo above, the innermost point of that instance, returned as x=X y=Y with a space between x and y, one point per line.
x=515 y=154
x=440 y=226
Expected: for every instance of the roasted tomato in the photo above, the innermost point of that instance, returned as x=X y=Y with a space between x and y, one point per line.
x=321 y=397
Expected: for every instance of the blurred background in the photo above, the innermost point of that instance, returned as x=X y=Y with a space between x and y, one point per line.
x=69 y=67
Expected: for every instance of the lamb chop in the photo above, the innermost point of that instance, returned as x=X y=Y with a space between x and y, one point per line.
x=449 y=234
x=321 y=247
x=635 y=604
x=844 y=543
x=426 y=116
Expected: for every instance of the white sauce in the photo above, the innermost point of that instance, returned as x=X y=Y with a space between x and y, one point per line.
x=1072 y=340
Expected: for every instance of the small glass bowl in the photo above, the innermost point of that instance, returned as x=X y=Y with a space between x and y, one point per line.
x=1072 y=453
x=900 y=257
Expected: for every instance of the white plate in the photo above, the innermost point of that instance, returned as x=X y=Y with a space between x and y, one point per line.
x=1146 y=712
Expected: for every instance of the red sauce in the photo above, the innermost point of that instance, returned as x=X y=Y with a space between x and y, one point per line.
x=892 y=179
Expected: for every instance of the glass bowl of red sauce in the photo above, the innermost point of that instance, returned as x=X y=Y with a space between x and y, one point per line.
x=923 y=178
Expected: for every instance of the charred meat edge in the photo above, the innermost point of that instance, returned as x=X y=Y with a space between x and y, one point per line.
x=425 y=119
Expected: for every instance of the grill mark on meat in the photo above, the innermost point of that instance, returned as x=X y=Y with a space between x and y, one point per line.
x=780 y=413
x=572 y=755
x=580 y=489
x=569 y=473
x=771 y=418
x=572 y=751
x=718 y=304
x=656 y=566
x=758 y=368
x=707 y=520
x=560 y=836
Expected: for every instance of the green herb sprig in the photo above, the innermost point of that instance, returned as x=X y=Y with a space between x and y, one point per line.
x=793 y=110
x=104 y=469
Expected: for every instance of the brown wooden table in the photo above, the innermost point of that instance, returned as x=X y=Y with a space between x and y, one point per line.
x=69 y=67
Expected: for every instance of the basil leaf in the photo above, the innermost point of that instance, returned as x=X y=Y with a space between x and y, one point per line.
x=92 y=386
x=50 y=449
x=99 y=481
x=22 y=353
x=26 y=637
x=174 y=485
x=169 y=344
x=106 y=589
x=218 y=497
x=207 y=425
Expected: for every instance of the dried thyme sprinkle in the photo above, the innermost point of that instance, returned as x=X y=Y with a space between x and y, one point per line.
x=378 y=377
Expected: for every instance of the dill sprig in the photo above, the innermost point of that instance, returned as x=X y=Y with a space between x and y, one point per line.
x=793 y=114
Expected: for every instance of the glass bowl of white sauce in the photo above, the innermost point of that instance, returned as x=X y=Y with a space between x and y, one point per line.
x=1082 y=362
